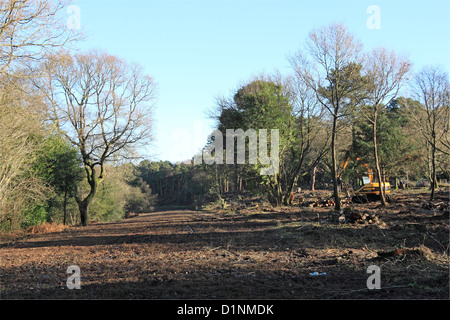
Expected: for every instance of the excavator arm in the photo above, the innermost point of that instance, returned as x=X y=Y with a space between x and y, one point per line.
x=370 y=189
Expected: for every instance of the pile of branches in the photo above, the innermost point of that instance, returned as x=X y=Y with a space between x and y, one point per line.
x=329 y=202
x=349 y=215
x=441 y=206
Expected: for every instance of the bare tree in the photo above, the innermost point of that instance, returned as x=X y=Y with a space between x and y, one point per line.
x=331 y=71
x=387 y=73
x=20 y=121
x=103 y=106
x=29 y=29
x=313 y=140
x=431 y=87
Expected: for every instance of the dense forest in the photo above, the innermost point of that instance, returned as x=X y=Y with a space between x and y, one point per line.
x=72 y=124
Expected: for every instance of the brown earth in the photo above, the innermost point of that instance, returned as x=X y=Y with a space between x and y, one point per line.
x=246 y=251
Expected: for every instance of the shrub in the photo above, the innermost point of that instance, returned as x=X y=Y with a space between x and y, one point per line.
x=34 y=216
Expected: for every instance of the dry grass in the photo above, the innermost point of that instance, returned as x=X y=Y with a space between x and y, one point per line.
x=46 y=228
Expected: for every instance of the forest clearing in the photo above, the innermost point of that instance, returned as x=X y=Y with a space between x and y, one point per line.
x=254 y=251
x=197 y=150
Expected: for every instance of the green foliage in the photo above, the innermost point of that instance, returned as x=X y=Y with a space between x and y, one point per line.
x=58 y=164
x=34 y=216
x=139 y=198
x=53 y=168
x=121 y=192
x=263 y=105
x=346 y=90
x=41 y=173
x=56 y=210
x=176 y=183
x=396 y=151
x=106 y=206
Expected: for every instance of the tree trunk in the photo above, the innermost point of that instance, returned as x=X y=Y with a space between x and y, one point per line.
x=289 y=191
x=313 y=178
x=65 y=207
x=377 y=164
x=84 y=204
x=433 y=179
x=83 y=207
x=275 y=195
x=218 y=191
x=291 y=181
x=337 y=200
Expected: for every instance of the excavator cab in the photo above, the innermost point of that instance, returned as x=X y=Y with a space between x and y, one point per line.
x=369 y=191
x=366 y=180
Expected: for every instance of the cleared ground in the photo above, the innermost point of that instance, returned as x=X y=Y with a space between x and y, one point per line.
x=246 y=251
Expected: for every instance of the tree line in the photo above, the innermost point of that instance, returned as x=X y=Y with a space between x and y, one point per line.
x=66 y=118
x=339 y=104
x=72 y=124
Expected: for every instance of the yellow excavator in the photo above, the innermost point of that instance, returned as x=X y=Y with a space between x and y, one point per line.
x=370 y=190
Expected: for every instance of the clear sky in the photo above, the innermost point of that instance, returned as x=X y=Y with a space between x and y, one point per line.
x=197 y=50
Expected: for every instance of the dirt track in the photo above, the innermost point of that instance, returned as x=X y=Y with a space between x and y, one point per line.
x=237 y=255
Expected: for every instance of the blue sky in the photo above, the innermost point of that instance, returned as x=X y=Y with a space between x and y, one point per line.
x=197 y=50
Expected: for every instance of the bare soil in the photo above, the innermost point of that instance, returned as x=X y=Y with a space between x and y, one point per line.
x=247 y=250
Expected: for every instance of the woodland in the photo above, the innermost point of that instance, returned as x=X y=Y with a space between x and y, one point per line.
x=72 y=125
